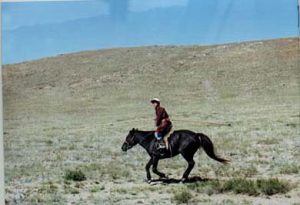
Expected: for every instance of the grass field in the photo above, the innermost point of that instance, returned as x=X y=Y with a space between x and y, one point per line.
x=66 y=117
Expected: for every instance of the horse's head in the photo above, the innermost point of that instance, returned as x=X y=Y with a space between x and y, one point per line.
x=130 y=140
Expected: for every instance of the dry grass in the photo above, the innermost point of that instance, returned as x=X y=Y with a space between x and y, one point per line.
x=72 y=112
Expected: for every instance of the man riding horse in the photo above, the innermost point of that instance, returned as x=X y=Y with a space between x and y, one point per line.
x=184 y=142
x=162 y=122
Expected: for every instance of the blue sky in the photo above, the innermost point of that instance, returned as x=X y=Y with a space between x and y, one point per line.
x=32 y=30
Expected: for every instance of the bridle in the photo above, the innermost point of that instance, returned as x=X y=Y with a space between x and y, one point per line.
x=130 y=141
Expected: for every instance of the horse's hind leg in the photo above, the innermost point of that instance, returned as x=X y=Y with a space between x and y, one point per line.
x=154 y=169
x=191 y=164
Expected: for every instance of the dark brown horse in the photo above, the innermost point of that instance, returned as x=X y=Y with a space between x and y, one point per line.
x=182 y=142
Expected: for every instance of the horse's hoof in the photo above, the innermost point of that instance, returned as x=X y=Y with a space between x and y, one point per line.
x=149 y=181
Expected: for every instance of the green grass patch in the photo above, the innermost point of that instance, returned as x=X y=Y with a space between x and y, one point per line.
x=242 y=186
x=49 y=142
x=75 y=175
x=292 y=125
x=273 y=186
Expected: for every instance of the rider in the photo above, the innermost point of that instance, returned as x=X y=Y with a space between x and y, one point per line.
x=162 y=122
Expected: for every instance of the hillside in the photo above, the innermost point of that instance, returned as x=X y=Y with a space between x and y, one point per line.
x=89 y=81
x=74 y=111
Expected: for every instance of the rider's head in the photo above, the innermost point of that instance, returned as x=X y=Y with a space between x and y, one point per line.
x=155 y=102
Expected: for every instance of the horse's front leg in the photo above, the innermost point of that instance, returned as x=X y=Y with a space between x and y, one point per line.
x=148 y=165
x=154 y=168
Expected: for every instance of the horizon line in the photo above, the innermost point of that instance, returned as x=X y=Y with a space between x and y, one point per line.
x=152 y=45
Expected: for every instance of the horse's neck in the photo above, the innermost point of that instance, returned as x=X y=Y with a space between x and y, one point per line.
x=145 y=138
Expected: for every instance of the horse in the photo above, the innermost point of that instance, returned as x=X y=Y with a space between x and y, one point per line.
x=184 y=142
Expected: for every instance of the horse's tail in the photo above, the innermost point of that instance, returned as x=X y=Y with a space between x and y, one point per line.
x=208 y=147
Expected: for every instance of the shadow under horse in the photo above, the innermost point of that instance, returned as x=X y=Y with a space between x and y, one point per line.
x=184 y=142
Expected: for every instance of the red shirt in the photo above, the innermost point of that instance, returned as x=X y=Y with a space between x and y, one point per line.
x=161 y=114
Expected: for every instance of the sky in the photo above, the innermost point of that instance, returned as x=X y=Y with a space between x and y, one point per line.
x=33 y=30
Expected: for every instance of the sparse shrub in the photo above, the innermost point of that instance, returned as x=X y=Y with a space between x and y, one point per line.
x=49 y=142
x=272 y=186
x=241 y=186
x=75 y=175
x=291 y=125
x=182 y=196
x=289 y=169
